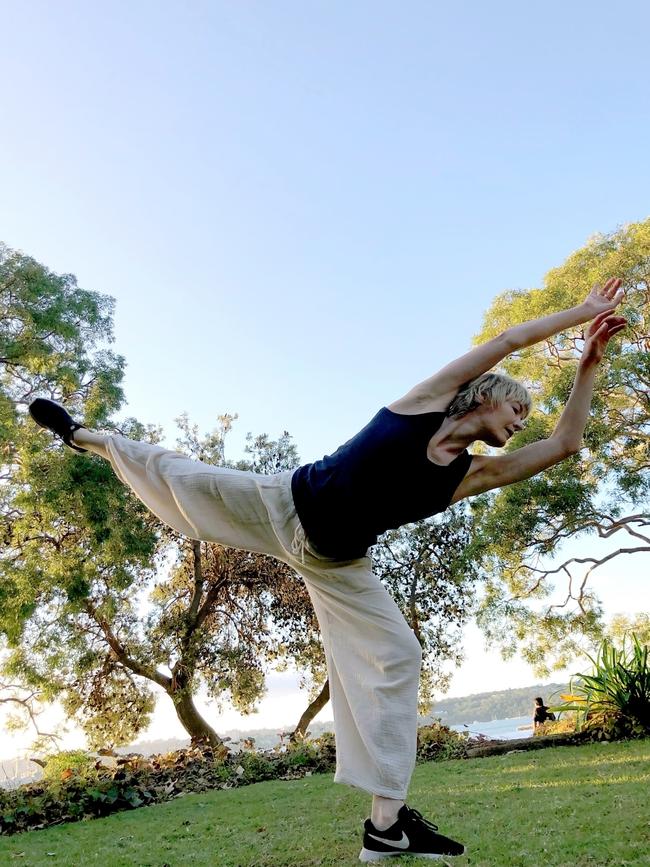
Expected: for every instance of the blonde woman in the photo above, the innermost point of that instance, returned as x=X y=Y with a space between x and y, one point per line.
x=409 y=462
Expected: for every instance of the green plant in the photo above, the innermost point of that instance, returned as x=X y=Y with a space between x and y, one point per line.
x=437 y=741
x=68 y=765
x=615 y=697
x=567 y=724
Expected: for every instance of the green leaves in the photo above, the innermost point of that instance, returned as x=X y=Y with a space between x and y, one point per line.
x=615 y=695
x=593 y=495
x=70 y=530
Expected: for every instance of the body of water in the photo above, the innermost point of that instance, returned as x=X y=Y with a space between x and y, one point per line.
x=501 y=729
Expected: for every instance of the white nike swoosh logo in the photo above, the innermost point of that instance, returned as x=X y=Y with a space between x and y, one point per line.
x=404 y=843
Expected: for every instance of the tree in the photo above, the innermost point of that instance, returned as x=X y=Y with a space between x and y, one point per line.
x=621 y=628
x=599 y=494
x=67 y=528
x=22 y=709
x=80 y=553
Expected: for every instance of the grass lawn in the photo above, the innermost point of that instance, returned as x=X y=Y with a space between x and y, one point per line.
x=565 y=806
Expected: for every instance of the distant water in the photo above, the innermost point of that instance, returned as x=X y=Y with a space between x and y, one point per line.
x=501 y=729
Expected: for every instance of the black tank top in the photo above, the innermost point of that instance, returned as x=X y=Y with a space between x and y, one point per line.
x=378 y=480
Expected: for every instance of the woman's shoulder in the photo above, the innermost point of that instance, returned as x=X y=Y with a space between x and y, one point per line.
x=413 y=405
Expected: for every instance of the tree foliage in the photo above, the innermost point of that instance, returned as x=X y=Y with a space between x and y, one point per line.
x=71 y=534
x=539 y=601
x=622 y=627
x=99 y=602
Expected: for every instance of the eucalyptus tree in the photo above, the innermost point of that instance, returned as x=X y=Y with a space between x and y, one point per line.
x=622 y=627
x=539 y=598
x=99 y=603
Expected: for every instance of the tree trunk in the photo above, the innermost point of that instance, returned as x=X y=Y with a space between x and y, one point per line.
x=192 y=721
x=317 y=705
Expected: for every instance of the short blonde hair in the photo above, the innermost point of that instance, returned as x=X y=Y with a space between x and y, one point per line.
x=493 y=388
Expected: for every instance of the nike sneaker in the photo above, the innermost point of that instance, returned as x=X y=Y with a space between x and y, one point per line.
x=411 y=834
x=52 y=416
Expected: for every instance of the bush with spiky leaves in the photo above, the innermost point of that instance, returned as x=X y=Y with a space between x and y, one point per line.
x=615 y=697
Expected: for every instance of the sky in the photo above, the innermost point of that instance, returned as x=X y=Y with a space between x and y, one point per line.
x=302 y=210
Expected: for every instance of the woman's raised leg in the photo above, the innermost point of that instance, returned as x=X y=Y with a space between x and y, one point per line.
x=93 y=442
x=201 y=501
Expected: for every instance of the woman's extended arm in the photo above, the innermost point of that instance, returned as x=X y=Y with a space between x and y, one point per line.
x=487 y=472
x=571 y=425
x=441 y=387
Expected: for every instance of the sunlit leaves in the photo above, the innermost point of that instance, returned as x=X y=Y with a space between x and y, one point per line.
x=525 y=525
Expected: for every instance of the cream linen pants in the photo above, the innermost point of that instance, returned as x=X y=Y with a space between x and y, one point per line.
x=373 y=657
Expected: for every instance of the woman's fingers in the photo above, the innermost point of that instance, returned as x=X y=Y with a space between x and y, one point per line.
x=603 y=315
x=606 y=324
x=597 y=321
x=609 y=329
x=609 y=290
x=606 y=316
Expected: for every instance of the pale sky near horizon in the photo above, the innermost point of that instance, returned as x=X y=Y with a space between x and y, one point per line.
x=303 y=209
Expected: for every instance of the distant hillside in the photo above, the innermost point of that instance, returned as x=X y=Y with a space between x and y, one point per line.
x=487 y=706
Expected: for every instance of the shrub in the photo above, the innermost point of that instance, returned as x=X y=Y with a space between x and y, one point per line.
x=79 y=786
x=567 y=724
x=437 y=741
x=615 y=698
x=70 y=764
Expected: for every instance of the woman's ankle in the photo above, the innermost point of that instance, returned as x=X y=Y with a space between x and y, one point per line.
x=384 y=811
x=90 y=440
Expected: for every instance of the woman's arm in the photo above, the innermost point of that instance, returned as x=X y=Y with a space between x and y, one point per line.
x=441 y=388
x=599 y=301
x=488 y=472
x=571 y=425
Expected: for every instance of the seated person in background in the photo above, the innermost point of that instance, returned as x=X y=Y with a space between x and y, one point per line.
x=542 y=713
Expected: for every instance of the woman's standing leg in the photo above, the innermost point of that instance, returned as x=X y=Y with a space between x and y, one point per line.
x=373 y=661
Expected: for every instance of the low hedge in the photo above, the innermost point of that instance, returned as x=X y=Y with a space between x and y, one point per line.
x=78 y=786
x=74 y=789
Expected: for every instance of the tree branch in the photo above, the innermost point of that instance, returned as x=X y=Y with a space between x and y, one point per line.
x=122 y=654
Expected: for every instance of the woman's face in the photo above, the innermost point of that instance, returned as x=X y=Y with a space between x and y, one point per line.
x=499 y=423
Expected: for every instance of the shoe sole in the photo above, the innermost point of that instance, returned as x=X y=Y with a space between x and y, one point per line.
x=369 y=855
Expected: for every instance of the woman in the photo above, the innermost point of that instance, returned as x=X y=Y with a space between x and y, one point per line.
x=409 y=462
x=541 y=713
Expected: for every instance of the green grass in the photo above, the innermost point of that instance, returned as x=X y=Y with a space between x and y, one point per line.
x=566 y=807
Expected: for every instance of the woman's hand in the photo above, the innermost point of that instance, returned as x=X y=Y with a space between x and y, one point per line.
x=603 y=299
x=600 y=331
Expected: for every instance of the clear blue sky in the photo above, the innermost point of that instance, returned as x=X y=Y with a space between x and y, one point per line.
x=304 y=208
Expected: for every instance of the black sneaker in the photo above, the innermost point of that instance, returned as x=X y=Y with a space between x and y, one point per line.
x=52 y=416
x=410 y=835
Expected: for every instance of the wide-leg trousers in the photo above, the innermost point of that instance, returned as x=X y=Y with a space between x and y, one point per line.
x=373 y=657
